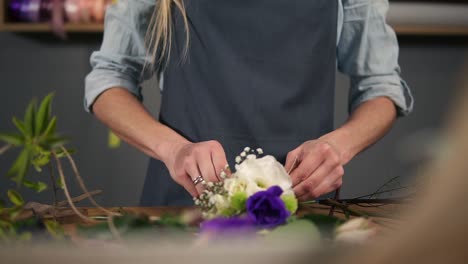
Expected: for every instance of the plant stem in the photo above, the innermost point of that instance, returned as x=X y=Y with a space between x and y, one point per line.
x=54 y=186
x=337 y=197
x=82 y=185
x=113 y=228
x=345 y=208
x=79 y=198
x=5 y=148
x=67 y=194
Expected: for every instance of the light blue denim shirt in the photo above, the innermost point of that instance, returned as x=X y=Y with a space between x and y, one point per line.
x=367 y=51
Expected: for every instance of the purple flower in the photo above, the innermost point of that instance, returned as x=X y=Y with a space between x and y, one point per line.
x=267 y=209
x=231 y=225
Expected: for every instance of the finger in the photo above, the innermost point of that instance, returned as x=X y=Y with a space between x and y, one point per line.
x=192 y=170
x=331 y=183
x=205 y=165
x=219 y=161
x=185 y=181
x=306 y=167
x=328 y=185
x=292 y=159
x=315 y=179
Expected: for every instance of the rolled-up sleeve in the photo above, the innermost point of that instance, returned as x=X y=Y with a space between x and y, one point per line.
x=122 y=56
x=368 y=52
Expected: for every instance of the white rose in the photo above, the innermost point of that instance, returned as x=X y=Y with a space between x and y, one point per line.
x=260 y=174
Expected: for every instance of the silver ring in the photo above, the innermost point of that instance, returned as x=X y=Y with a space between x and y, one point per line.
x=198 y=180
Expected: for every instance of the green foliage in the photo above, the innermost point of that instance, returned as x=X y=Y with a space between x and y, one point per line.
x=13 y=139
x=36 y=135
x=54 y=229
x=36 y=186
x=37 y=140
x=15 y=198
x=290 y=202
x=113 y=140
x=238 y=201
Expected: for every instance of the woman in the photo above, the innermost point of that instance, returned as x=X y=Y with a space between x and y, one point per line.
x=246 y=73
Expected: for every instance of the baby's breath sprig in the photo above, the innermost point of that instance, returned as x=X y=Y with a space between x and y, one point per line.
x=248 y=153
x=210 y=198
x=211 y=189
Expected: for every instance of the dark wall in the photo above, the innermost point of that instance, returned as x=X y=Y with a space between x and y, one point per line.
x=32 y=65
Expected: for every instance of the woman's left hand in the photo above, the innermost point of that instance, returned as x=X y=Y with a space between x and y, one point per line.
x=318 y=169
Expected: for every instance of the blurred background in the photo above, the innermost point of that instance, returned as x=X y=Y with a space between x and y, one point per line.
x=35 y=60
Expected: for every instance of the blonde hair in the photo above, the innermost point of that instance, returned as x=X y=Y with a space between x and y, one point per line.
x=158 y=38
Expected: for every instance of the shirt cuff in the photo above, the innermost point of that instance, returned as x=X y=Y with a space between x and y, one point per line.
x=100 y=80
x=399 y=94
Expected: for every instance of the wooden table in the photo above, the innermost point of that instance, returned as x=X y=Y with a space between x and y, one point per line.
x=387 y=215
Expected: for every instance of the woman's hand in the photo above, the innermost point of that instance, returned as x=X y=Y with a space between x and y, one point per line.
x=189 y=160
x=318 y=169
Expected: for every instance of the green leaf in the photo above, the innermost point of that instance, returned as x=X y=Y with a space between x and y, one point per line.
x=113 y=141
x=20 y=167
x=13 y=139
x=36 y=186
x=30 y=119
x=54 y=142
x=20 y=125
x=60 y=153
x=54 y=229
x=50 y=129
x=15 y=211
x=15 y=197
x=41 y=160
x=43 y=114
x=59 y=183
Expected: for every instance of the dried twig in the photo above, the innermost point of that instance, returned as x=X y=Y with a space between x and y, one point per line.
x=54 y=186
x=83 y=186
x=80 y=198
x=5 y=148
x=337 y=197
x=67 y=194
x=113 y=228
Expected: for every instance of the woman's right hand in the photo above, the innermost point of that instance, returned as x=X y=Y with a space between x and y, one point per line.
x=186 y=161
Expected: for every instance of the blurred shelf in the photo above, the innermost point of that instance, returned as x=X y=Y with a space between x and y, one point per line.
x=44 y=27
x=417 y=30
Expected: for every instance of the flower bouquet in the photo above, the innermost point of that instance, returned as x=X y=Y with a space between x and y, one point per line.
x=258 y=196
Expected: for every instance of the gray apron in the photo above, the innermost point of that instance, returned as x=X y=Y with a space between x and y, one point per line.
x=259 y=73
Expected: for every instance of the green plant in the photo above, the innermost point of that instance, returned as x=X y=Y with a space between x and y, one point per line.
x=40 y=146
